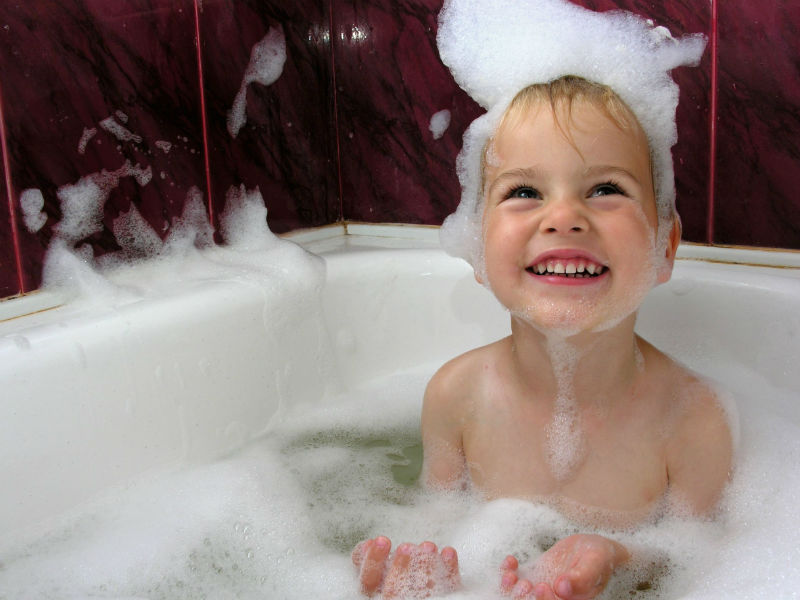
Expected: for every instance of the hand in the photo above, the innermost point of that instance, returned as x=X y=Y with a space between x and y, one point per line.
x=413 y=572
x=575 y=568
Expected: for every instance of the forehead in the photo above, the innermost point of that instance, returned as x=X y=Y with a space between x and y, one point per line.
x=538 y=131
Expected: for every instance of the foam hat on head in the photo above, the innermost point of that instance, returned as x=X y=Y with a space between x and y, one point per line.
x=495 y=48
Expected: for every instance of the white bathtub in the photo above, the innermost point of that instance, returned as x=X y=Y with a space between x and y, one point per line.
x=95 y=397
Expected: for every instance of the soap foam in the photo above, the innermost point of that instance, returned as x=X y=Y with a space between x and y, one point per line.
x=267 y=58
x=496 y=48
x=243 y=223
x=86 y=136
x=278 y=519
x=564 y=435
x=31 y=202
x=146 y=264
x=135 y=235
x=440 y=121
x=122 y=133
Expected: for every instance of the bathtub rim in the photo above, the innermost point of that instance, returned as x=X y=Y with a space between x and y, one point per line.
x=338 y=236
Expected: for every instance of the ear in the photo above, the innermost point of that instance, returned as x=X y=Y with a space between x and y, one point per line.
x=674 y=239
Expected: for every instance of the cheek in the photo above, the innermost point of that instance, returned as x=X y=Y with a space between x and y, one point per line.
x=491 y=235
x=501 y=237
x=639 y=231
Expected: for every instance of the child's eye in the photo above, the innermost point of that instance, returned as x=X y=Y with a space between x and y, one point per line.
x=523 y=191
x=607 y=189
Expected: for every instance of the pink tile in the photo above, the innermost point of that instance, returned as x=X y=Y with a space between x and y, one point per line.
x=9 y=280
x=759 y=125
x=691 y=153
x=67 y=67
x=390 y=82
x=287 y=145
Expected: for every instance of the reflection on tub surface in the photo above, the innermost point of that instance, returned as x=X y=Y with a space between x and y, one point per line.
x=276 y=518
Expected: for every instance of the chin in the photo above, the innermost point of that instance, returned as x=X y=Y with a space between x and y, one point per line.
x=568 y=322
x=561 y=323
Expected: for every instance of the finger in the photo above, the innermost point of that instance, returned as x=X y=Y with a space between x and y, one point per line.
x=563 y=587
x=580 y=586
x=585 y=579
x=523 y=589
x=428 y=547
x=509 y=563
x=450 y=560
x=542 y=591
x=394 y=583
x=357 y=555
x=373 y=564
x=508 y=579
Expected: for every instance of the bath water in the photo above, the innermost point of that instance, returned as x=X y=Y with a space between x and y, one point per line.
x=278 y=519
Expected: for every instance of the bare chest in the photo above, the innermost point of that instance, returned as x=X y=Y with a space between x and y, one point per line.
x=568 y=459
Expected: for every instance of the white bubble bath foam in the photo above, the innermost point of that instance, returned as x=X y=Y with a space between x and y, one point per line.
x=228 y=424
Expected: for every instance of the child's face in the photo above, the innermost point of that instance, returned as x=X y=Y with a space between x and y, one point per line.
x=583 y=211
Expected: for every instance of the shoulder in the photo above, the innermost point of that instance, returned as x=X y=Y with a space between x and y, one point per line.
x=454 y=387
x=447 y=409
x=701 y=447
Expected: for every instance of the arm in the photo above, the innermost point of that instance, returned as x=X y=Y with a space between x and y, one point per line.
x=700 y=454
x=444 y=464
x=419 y=571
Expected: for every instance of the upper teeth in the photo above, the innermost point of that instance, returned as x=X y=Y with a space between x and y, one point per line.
x=567 y=267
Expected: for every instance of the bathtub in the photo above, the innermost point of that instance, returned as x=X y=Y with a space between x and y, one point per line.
x=94 y=397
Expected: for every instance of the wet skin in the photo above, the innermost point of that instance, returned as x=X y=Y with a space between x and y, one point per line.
x=570 y=250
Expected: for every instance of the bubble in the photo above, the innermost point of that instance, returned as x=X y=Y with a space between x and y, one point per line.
x=440 y=121
x=31 y=202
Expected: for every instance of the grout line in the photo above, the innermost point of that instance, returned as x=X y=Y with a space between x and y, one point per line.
x=10 y=192
x=331 y=38
x=203 y=119
x=712 y=158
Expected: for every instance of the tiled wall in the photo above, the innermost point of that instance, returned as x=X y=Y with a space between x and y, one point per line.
x=343 y=133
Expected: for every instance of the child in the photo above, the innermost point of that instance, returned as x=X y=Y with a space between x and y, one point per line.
x=573 y=409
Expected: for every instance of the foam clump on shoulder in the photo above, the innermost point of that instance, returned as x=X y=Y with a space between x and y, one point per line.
x=495 y=48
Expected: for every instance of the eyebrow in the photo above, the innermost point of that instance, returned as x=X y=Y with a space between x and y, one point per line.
x=535 y=172
x=520 y=173
x=609 y=170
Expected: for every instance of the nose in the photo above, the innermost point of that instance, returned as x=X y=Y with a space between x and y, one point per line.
x=564 y=215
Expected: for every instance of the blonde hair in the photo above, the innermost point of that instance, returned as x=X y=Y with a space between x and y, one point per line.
x=561 y=94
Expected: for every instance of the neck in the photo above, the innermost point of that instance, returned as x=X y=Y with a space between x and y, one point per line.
x=586 y=368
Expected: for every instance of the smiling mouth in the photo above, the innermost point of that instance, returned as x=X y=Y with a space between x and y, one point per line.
x=574 y=269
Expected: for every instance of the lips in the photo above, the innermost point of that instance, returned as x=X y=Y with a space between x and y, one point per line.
x=568 y=264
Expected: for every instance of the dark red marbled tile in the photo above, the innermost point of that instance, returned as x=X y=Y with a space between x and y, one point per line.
x=9 y=280
x=759 y=125
x=390 y=81
x=287 y=145
x=68 y=65
x=691 y=153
